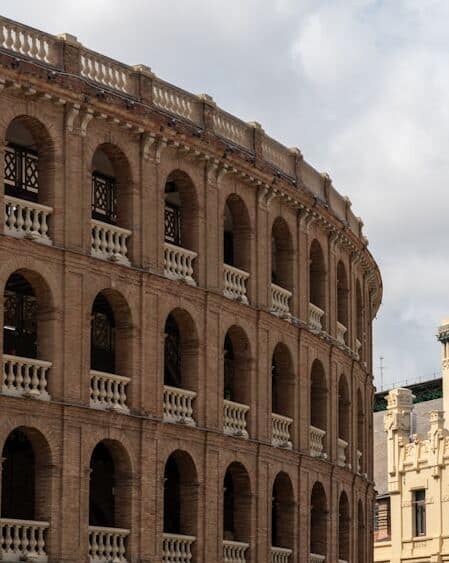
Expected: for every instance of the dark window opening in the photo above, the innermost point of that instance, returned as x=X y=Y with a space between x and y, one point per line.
x=229 y=369
x=102 y=350
x=104 y=198
x=275 y=407
x=21 y=172
x=419 y=502
x=228 y=508
x=172 y=353
x=172 y=493
x=20 y=318
x=172 y=219
x=102 y=488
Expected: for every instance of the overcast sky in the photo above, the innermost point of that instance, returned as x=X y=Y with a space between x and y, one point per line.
x=360 y=86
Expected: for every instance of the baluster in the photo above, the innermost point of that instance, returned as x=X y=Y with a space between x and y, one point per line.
x=20 y=220
x=6 y=537
x=9 y=41
x=16 y=539
x=34 y=379
x=123 y=394
x=17 y=41
x=102 y=394
x=94 y=390
x=40 y=541
x=25 y=368
x=42 y=55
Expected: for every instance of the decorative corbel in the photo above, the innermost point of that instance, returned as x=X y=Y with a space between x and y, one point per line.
x=306 y=218
x=158 y=143
x=70 y=116
x=87 y=115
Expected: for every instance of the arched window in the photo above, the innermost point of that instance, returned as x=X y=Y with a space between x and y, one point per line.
x=359 y=319
x=360 y=433
x=318 y=410
x=318 y=520
x=282 y=264
x=344 y=523
x=282 y=513
x=344 y=409
x=102 y=350
x=21 y=162
x=236 y=505
x=317 y=286
x=172 y=353
x=282 y=396
x=104 y=188
x=20 y=318
x=342 y=302
x=361 y=534
x=181 y=210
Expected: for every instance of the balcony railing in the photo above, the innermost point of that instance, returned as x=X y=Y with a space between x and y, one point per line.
x=23 y=540
x=280 y=299
x=341 y=333
x=109 y=242
x=235 y=283
x=177 y=548
x=178 y=405
x=341 y=452
x=315 y=316
x=317 y=441
x=280 y=555
x=178 y=263
x=234 y=419
x=280 y=436
x=107 y=544
x=315 y=558
x=234 y=551
x=108 y=391
x=25 y=377
x=25 y=219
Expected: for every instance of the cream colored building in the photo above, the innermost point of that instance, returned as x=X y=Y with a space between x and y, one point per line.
x=412 y=511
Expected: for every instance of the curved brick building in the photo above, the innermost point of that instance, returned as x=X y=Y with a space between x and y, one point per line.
x=187 y=317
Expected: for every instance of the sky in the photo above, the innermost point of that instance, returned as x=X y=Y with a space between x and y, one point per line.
x=360 y=86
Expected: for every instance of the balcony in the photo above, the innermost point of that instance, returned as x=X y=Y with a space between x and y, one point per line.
x=341 y=452
x=178 y=405
x=178 y=263
x=109 y=242
x=234 y=419
x=25 y=377
x=234 y=551
x=26 y=219
x=280 y=433
x=23 y=540
x=235 y=284
x=280 y=299
x=315 y=317
x=315 y=558
x=108 y=391
x=316 y=439
x=280 y=555
x=341 y=333
x=107 y=544
x=177 y=548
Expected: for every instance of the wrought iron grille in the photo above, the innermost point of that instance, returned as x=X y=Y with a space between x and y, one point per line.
x=104 y=198
x=102 y=338
x=20 y=324
x=172 y=354
x=21 y=173
x=172 y=224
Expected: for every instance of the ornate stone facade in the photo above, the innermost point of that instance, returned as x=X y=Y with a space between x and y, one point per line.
x=187 y=327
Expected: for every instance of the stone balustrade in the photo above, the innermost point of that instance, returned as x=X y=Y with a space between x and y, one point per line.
x=25 y=377
x=341 y=452
x=109 y=242
x=341 y=333
x=176 y=101
x=178 y=263
x=315 y=558
x=234 y=551
x=177 y=548
x=106 y=71
x=315 y=316
x=316 y=439
x=27 y=41
x=280 y=434
x=108 y=391
x=178 y=405
x=23 y=540
x=276 y=154
x=26 y=219
x=107 y=544
x=231 y=128
x=234 y=419
x=280 y=555
x=280 y=300
x=235 y=283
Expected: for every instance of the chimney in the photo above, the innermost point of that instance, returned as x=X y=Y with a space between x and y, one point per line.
x=443 y=337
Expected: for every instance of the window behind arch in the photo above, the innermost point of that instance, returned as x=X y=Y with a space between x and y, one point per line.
x=229 y=369
x=20 y=318
x=172 y=353
x=21 y=170
x=102 y=336
x=104 y=189
x=172 y=214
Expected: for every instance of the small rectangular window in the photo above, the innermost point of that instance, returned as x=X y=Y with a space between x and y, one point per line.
x=419 y=509
x=382 y=521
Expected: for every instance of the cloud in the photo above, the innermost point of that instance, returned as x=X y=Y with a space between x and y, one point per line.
x=361 y=86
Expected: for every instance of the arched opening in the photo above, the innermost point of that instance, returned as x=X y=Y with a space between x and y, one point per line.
x=282 y=512
x=318 y=520
x=112 y=203
x=236 y=504
x=282 y=258
x=361 y=534
x=181 y=356
x=344 y=524
x=344 y=410
x=180 y=495
x=102 y=349
x=359 y=318
x=282 y=395
x=20 y=318
x=318 y=409
x=317 y=286
x=342 y=302
x=110 y=493
x=181 y=211
x=26 y=479
x=360 y=433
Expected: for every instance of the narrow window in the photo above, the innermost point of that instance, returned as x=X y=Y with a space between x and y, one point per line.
x=419 y=503
x=172 y=214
